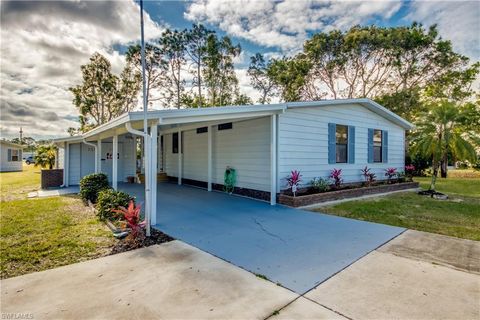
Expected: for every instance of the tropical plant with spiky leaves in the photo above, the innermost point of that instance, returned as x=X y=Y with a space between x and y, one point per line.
x=132 y=217
x=440 y=133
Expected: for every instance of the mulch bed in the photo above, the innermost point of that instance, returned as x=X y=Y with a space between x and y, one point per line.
x=156 y=237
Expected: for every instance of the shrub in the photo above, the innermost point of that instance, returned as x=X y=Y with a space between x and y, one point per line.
x=320 y=184
x=476 y=165
x=293 y=181
x=336 y=175
x=132 y=217
x=109 y=200
x=390 y=173
x=369 y=176
x=420 y=163
x=91 y=185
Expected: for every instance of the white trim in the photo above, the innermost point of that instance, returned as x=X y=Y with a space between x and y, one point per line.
x=180 y=157
x=115 y=162
x=273 y=160
x=209 y=158
x=152 y=216
x=66 y=168
x=99 y=149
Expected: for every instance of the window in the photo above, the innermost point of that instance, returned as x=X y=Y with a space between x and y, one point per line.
x=175 y=142
x=14 y=155
x=377 y=145
x=341 y=140
x=202 y=130
x=225 y=126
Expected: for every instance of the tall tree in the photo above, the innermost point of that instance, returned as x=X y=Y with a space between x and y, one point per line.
x=103 y=96
x=260 y=79
x=220 y=79
x=155 y=69
x=173 y=48
x=197 y=50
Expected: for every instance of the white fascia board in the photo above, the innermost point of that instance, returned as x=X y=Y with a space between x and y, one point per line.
x=117 y=122
x=71 y=139
x=215 y=117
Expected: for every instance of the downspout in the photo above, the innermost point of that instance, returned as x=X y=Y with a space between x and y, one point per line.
x=96 y=153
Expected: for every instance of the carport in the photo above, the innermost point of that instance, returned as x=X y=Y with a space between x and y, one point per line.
x=294 y=248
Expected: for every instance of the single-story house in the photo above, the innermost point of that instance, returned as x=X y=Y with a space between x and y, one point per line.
x=263 y=143
x=11 y=156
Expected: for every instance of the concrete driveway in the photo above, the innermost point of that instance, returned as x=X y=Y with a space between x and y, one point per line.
x=415 y=276
x=295 y=248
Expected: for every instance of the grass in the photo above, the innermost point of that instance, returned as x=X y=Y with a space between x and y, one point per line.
x=39 y=234
x=16 y=185
x=458 y=217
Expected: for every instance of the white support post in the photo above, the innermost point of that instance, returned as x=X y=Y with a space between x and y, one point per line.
x=180 y=156
x=66 y=164
x=153 y=174
x=115 y=162
x=273 y=160
x=99 y=150
x=209 y=161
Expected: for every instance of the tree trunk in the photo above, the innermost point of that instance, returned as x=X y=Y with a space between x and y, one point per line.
x=443 y=167
x=434 y=175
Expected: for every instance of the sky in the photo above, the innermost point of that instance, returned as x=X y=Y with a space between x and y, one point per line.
x=44 y=43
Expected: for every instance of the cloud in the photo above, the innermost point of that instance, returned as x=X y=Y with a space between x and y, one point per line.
x=43 y=45
x=458 y=21
x=286 y=24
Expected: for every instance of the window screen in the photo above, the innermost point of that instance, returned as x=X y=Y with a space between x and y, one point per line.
x=377 y=145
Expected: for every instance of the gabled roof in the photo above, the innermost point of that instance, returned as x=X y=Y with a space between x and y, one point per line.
x=11 y=144
x=189 y=115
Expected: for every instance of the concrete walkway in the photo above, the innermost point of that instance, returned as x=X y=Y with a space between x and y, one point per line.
x=403 y=279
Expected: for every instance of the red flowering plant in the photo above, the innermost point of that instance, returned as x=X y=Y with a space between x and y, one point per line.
x=293 y=181
x=336 y=175
x=369 y=176
x=132 y=217
x=390 y=173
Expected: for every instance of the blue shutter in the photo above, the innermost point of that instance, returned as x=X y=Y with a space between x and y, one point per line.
x=332 y=146
x=370 y=146
x=20 y=158
x=9 y=155
x=351 y=144
x=384 y=146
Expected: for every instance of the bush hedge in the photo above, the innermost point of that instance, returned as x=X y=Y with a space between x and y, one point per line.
x=91 y=185
x=110 y=199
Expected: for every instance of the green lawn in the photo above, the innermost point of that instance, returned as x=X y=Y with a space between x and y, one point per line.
x=39 y=234
x=458 y=217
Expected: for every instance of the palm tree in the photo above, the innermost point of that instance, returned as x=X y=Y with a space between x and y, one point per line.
x=45 y=156
x=439 y=133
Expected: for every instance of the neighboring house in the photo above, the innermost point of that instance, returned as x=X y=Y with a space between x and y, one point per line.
x=263 y=143
x=11 y=156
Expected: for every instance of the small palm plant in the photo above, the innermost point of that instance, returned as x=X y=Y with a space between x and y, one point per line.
x=132 y=217
x=45 y=156
x=439 y=133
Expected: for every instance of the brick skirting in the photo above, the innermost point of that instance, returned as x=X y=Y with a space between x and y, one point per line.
x=306 y=200
x=252 y=193
x=52 y=178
